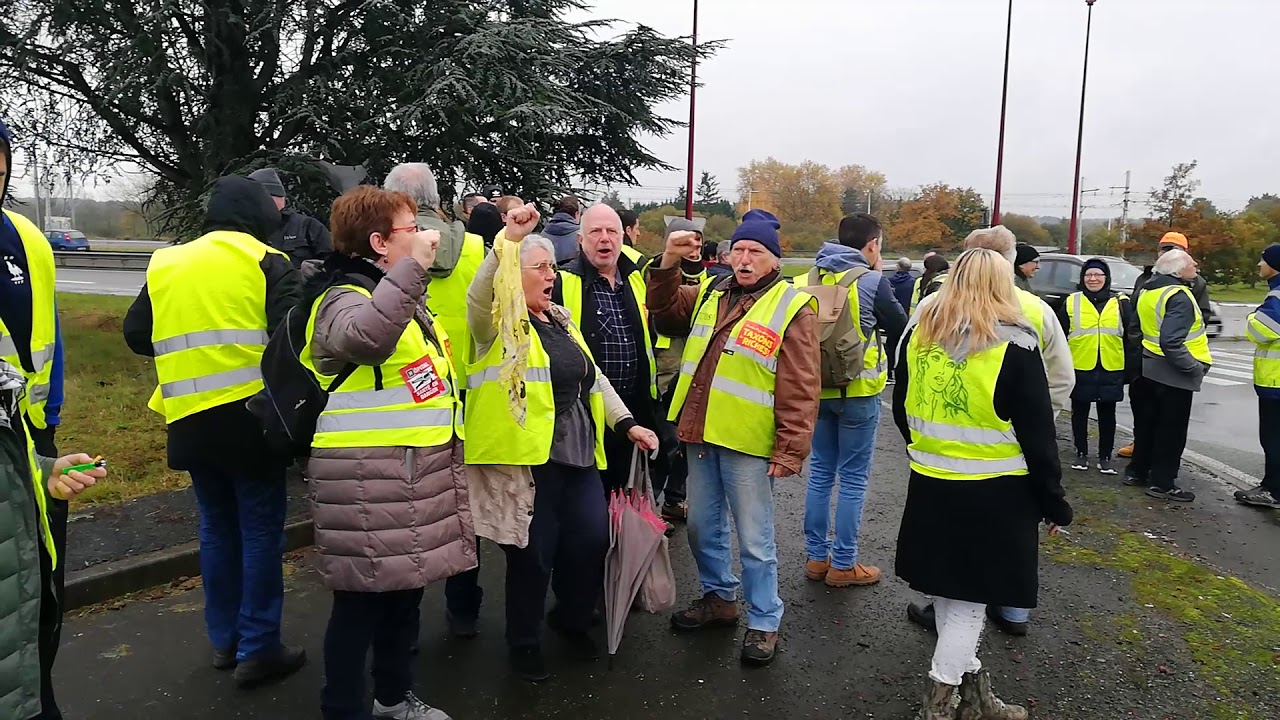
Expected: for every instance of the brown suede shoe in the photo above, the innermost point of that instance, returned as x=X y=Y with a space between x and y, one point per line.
x=759 y=647
x=1126 y=451
x=816 y=570
x=856 y=575
x=707 y=611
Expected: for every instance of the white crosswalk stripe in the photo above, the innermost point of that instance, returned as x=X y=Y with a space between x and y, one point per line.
x=1230 y=369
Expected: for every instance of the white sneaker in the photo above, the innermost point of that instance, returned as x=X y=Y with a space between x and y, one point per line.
x=411 y=709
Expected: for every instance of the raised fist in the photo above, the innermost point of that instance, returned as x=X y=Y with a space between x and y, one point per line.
x=425 y=243
x=521 y=221
x=683 y=243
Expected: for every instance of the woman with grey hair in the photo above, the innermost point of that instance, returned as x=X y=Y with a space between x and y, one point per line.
x=534 y=484
x=1175 y=359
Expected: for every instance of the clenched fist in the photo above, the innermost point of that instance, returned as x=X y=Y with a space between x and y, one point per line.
x=680 y=244
x=521 y=221
x=425 y=243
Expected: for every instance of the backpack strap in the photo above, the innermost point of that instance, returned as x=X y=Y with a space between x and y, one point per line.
x=846 y=281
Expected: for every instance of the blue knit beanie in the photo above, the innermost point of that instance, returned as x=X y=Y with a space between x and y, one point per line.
x=1271 y=256
x=762 y=227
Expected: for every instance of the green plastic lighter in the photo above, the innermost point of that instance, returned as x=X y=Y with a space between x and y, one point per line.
x=98 y=462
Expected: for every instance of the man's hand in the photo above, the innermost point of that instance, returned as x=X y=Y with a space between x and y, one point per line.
x=521 y=221
x=779 y=471
x=680 y=244
x=65 y=486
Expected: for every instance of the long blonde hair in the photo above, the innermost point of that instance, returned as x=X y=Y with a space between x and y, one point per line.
x=977 y=298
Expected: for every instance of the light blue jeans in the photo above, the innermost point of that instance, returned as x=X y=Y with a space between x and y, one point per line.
x=1018 y=615
x=723 y=481
x=843 y=442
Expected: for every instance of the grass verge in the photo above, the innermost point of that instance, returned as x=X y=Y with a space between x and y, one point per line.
x=1238 y=292
x=107 y=388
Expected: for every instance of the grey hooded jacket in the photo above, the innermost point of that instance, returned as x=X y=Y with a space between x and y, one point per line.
x=1177 y=368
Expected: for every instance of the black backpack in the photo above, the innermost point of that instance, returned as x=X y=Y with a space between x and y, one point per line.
x=291 y=398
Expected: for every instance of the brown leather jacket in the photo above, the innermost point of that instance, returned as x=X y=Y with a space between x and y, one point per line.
x=795 y=400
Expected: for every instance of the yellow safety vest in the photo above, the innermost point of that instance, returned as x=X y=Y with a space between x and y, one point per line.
x=447 y=300
x=44 y=329
x=1033 y=309
x=917 y=289
x=1151 y=308
x=209 y=326
x=1095 y=337
x=955 y=431
x=662 y=342
x=1265 y=333
x=739 y=414
x=42 y=502
x=875 y=370
x=411 y=400
x=633 y=254
x=571 y=294
x=495 y=436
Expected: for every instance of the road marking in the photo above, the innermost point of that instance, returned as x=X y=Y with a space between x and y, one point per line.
x=76 y=282
x=1233 y=373
x=1234 y=355
x=1236 y=478
x=1218 y=381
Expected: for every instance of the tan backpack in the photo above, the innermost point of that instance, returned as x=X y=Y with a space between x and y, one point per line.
x=842 y=350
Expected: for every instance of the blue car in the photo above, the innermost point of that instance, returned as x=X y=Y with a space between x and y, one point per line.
x=68 y=240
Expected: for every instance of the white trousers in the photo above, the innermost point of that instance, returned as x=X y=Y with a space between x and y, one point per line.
x=959 y=631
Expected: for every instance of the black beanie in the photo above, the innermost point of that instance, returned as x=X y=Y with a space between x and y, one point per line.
x=1025 y=254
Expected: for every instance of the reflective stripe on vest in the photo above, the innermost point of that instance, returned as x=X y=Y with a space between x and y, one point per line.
x=950 y=406
x=208 y=337
x=361 y=413
x=1095 y=338
x=1151 y=310
x=1265 y=332
x=739 y=407
x=40 y=278
x=571 y=291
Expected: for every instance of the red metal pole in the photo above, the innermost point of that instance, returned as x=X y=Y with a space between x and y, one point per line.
x=693 y=91
x=1084 y=83
x=1004 y=104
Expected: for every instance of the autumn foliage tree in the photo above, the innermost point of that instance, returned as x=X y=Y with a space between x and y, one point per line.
x=937 y=217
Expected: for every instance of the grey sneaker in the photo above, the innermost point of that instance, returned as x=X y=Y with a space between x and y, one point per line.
x=1258 y=497
x=1104 y=465
x=411 y=708
x=1081 y=462
x=1175 y=494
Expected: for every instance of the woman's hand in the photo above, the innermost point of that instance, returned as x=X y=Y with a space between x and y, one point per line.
x=644 y=438
x=425 y=243
x=521 y=221
x=65 y=486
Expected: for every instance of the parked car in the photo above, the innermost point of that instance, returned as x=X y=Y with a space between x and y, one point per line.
x=68 y=240
x=1059 y=276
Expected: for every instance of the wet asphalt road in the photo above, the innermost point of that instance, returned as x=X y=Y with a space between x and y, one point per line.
x=845 y=654
x=100 y=282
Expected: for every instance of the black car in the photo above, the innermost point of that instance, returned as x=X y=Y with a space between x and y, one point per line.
x=1059 y=276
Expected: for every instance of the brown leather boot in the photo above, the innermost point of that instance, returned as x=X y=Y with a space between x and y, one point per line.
x=856 y=575
x=979 y=702
x=707 y=611
x=816 y=570
x=1126 y=451
x=939 y=702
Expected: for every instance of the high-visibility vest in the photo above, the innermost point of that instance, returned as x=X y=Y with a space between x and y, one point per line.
x=410 y=400
x=209 y=325
x=662 y=342
x=495 y=438
x=739 y=414
x=1265 y=334
x=1033 y=309
x=875 y=369
x=955 y=431
x=633 y=254
x=1151 y=308
x=1095 y=337
x=447 y=300
x=44 y=329
x=39 y=487
x=571 y=291
x=918 y=289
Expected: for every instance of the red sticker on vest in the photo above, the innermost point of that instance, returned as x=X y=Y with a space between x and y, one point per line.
x=758 y=338
x=423 y=381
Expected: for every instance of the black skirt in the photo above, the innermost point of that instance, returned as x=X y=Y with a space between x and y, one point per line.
x=973 y=540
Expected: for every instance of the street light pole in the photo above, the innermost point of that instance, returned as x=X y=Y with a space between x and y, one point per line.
x=1072 y=247
x=1004 y=104
x=693 y=91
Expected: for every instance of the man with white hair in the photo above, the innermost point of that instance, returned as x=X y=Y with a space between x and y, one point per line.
x=1175 y=359
x=1059 y=369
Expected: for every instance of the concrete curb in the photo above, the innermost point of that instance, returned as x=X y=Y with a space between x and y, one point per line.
x=110 y=580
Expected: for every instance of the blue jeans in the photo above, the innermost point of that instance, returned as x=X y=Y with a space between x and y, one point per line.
x=843 y=441
x=721 y=482
x=1018 y=615
x=241 y=548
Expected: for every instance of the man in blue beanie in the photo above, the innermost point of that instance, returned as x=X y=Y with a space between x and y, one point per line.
x=1262 y=326
x=742 y=428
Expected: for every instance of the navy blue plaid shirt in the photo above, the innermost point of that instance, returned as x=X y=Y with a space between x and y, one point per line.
x=616 y=352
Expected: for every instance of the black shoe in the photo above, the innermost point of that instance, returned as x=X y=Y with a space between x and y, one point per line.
x=1017 y=629
x=1174 y=494
x=923 y=616
x=579 y=641
x=1104 y=465
x=1081 y=462
x=1258 y=497
x=224 y=659
x=527 y=664
x=1135 y=480
x=464 y=628
x=270 y=666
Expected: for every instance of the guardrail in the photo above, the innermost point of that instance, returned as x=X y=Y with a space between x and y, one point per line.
x=101 y=260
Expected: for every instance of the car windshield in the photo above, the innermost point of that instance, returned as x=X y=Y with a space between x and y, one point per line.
x=77 y=235
x=1123 y=274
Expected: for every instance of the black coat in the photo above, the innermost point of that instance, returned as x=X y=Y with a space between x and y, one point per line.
x=978 y=540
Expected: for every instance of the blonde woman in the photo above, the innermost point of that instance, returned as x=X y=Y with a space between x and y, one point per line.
x=973 y=404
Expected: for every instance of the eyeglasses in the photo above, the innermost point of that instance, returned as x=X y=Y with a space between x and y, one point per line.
x=406 y=228
x=1095 y=276
x=545 y=268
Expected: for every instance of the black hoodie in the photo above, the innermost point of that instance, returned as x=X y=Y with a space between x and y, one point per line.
x=227 y=437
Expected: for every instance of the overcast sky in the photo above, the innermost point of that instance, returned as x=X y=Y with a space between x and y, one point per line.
x=912 y=88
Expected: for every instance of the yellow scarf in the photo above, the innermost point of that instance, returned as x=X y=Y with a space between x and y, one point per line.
x=512 y=315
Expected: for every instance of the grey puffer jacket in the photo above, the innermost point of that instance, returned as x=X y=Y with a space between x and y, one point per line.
x=20 y=535
x=386 y=518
